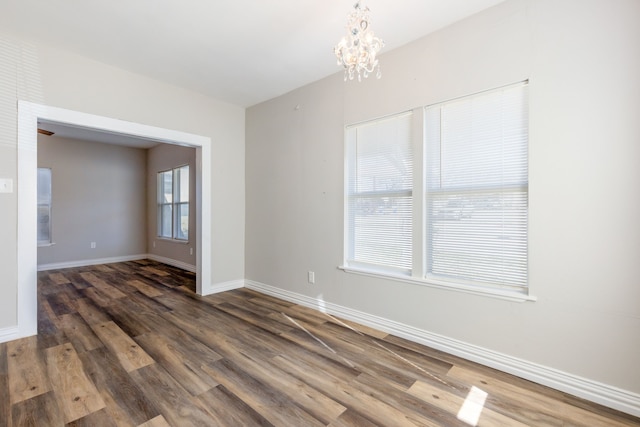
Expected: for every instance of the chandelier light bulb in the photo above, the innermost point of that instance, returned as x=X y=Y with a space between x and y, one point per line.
x=357 y=51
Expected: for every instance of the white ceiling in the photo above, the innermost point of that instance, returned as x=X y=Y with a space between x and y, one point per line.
x=94 y=135
x=239 y=51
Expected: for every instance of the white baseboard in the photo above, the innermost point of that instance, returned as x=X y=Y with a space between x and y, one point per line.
x=593 y=391
x=9 y=334
x=86 y=262
x=172 y=262
x=215 y=288
x=97 y=261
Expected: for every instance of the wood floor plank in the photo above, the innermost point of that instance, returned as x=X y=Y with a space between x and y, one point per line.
x=266 y=400
x=50 y=333
x=351 y=418
x=131 y=320
x=79 y=333
x=38 y=411
x=183 y=362
x=74 y=391
x=227 y=409
x=417 y=410
x=320 y=406
x=345 y=393
x=27 y=370
x=63 y=301
x=90 y=312
x=158 y=421
x=103 y=286
x=155 y=271
x=146 y=289
x=452 y=403
x=125 y=401
x=59 y=278
x=98 y=418
x=174 y=402
x=128 y=352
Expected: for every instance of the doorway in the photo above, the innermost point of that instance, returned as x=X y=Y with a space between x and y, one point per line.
x=28 y=116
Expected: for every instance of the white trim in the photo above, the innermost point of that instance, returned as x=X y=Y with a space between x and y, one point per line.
x=28 y=115
x=504 y=294
x=86 y=262
x=215 y=288
x=594 y=391
x=9 y=334
x=172 y=262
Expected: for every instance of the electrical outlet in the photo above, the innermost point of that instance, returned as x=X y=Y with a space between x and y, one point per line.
x=190 y=251
x=6 y=185
x=93 y=245
x=311 y=277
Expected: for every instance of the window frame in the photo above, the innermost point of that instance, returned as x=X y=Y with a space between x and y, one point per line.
x=351 y=193
x=418 y=275
x=174 y=205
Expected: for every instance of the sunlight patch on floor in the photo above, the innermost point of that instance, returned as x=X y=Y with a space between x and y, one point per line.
x=472 y=407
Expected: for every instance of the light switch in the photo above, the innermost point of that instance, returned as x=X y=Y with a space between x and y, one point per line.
x=6 y=185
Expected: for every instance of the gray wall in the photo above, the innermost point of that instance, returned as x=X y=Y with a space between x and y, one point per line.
x=99 y=195
x=582 y=61
x=161 y=158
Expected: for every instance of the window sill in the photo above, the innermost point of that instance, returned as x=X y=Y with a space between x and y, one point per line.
x=46 y=245
x=167 y=239
x=503 y=294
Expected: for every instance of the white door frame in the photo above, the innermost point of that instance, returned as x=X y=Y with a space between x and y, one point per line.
x=28 y=116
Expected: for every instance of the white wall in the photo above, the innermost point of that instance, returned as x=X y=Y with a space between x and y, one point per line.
x=53 y=77
x=583 y=62
x=99 y=194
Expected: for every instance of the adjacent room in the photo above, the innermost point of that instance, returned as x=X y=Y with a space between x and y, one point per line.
x=332 y=214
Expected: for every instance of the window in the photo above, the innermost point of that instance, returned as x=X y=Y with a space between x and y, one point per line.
x=379 y=194
x=44 y=206
x=467 y=228
x=476 y=188
x=173 y=203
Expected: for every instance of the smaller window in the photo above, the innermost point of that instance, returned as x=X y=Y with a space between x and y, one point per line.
x=379 y=194
x=44 y=206
x=173 y=203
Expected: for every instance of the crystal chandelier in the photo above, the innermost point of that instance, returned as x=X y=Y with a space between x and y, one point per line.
x=357 y=51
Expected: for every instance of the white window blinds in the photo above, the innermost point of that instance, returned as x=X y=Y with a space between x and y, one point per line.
x=477 y=188
x=379 y=193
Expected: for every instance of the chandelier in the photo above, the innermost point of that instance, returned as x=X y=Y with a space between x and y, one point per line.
x=357 y=51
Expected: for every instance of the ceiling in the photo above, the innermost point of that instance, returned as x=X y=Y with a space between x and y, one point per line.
x=94 y=135
x=241 y=52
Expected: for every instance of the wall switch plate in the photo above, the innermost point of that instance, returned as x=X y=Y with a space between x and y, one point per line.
x=6 y=185
x=311 y=277
x=93 y=245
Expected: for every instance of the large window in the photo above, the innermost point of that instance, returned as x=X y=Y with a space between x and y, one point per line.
x=476 y=188
x=44 y=206
x=467 y=227
x=379 y=193
x=173 y=203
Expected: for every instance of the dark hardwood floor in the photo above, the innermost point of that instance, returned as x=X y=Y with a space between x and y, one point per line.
x=130 y=344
